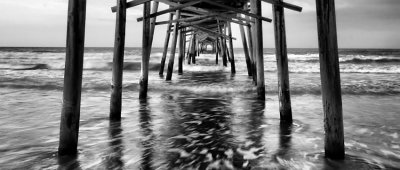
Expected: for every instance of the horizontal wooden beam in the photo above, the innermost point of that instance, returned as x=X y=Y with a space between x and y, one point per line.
x=231 y=20
x=211 y=32
x=192 y=9
x=130 y=4
x=284 y=5
x=237 y=10
x=173 y=9
x=184 y=19
x=196 y=22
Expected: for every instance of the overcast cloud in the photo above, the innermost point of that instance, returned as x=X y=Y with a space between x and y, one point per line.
x=361 y=24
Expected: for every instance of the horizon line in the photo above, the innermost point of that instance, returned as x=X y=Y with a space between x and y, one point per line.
x=234 y=48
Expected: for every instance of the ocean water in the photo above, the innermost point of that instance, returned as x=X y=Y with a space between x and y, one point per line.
x=205 y=118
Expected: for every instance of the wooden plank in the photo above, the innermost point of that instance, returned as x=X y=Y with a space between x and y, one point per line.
x=118 y=61
x=69 y=125
x=166 y=43
x=284 y=5
x=258 y=16
x=173 y=48
x=130 y=4
x=258 y=46
x=181 y=6
x=285 y=108
x=330 y=79
x=144 y=77
x=233 y=68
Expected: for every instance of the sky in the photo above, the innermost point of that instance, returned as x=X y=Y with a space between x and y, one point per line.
x=42 y=23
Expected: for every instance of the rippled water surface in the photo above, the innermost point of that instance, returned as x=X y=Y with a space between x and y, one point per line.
x=203 y=119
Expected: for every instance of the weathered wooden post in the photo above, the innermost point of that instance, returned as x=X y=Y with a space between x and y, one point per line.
x=226 y=46
x=197 y=47
x=166 y=43
x=184 y=44
x=330 y=79
x=144 y=77
x=153 y=23
x=118 y=61
x=285 y=107
x=194 y=48
x=246 y=50
x=258 y=48
x=233 y=69
x=223 y=50
x=181 y=52
x=216 y=51
x=249 y=29
x=69 y=125
x=173 y=47
x=190 y=51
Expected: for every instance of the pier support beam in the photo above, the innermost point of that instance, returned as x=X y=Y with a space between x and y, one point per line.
x=216 y=51
x=246 y=50
x=258 y=48
x=233 y=69
x=190 y=51
x=118 y=61
x=153 y=20
x=70 y=114
x=228 y=55
x=285 y=107
x=173 y=47
x=166 y=43
x=194 y=47
x=146 y=43
x=251 y=48
x=223 y=50
x=330 y=79
x=182 y=40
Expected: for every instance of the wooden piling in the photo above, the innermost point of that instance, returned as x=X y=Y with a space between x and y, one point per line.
x=223 y=50
x=258 y=46
x=246 y=50
x=166 y=43
x=184 y=44
x=194 y=48
x=118 y=61
x=181 y=52
x=233 y=69
x=153 y=22
x=216 y=51
x=189 y=55
x=173 y=47
x=285 y=107
x=249 y=29
x=228 y=55
x=69 y=125
x=330 y=79
x=144 y=77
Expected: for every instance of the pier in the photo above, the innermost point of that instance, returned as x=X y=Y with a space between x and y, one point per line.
x=193 y=26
